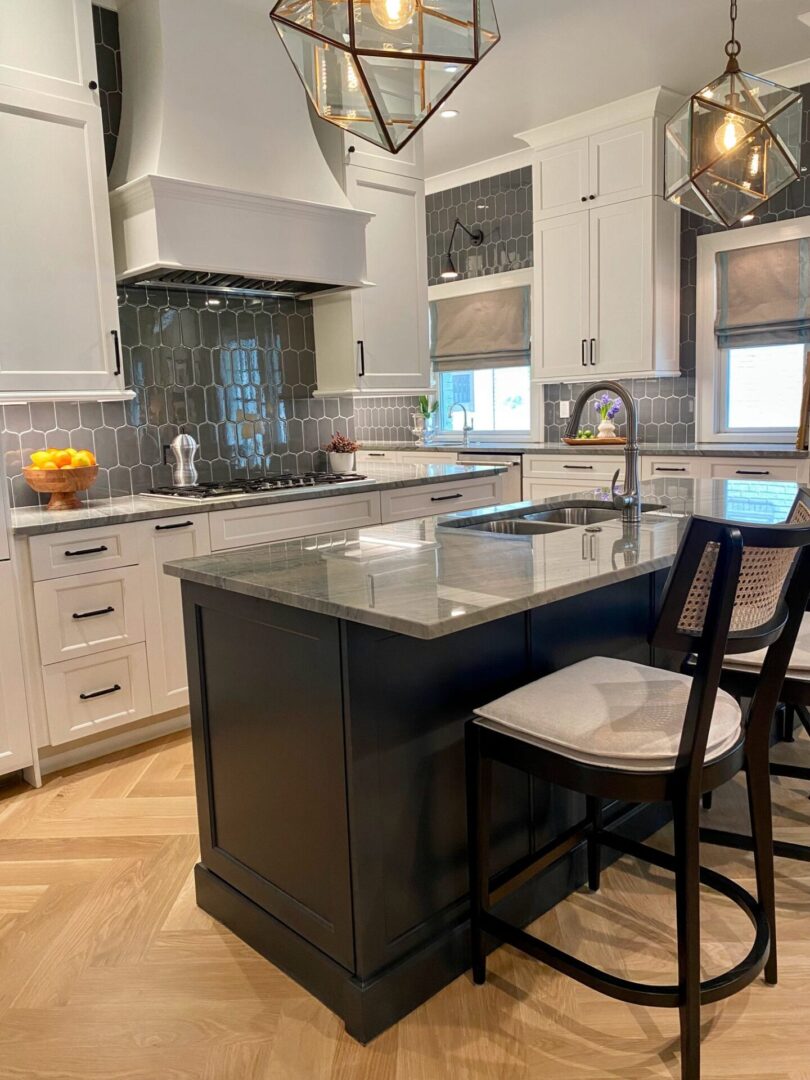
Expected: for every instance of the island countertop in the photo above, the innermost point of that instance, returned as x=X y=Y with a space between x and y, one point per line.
x=34 y=520
x=432 y=577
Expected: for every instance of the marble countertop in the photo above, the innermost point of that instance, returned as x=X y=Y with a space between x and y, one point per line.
x=426 y=578
x=33 y=520
x=767 y=450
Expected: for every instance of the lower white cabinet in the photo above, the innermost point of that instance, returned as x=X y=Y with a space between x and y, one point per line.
x=400 y=504
x=546 y=476
x=15 y=739
x=93 y=693
x=672 y=467
x=165 y=541
x=752 y=469
x=285 y=521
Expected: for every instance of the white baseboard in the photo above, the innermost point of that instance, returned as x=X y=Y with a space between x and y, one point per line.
x=122 y=740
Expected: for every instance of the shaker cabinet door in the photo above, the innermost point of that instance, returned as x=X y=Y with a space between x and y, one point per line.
x=15 y=738
x=561 y=296
x=58 y=302
x=47 y=46
x=561 y=179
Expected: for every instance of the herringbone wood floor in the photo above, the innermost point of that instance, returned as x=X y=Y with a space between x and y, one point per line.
x=109 y=970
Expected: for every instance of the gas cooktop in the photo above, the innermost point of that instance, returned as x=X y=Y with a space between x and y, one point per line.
x=260 y=485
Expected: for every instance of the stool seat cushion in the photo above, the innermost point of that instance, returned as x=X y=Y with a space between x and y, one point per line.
x=799 y=667
x=611 y=713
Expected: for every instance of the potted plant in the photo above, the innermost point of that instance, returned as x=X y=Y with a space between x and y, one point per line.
x=423 y=419
x=608 y=408
x=341 y=451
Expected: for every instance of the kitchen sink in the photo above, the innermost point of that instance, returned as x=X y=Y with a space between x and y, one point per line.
x=516 y=526
x=581 y=514
x=555 y=519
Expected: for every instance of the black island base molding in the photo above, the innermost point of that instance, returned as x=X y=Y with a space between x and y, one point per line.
x=329 y=763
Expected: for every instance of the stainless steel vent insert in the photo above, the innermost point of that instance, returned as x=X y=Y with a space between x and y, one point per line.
x=232 y=284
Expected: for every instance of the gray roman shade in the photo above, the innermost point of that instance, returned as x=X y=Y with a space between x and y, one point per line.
x=482 y=330
x=763 y=295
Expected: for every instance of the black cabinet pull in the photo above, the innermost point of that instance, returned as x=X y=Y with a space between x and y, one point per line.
x=92 y=614
x=87 y=551
x=593 y=358
x=584 y=356
x=179 y=525
x=376 y=453
x=93 y=85
x=591 y=196
x=753 y=472
x=578 y=466
x=670 y=468
x=444 y=498
x=117 y=344
x=361 y=348
x=100 y=693
x=584 y=198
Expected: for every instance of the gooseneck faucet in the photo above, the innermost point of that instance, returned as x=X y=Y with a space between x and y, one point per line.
x=467 y=428
x=628 y=500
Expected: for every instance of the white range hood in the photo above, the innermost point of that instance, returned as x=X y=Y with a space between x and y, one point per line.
x=218 y=177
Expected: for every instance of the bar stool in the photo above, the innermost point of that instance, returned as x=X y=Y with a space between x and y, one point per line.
x=616 y=730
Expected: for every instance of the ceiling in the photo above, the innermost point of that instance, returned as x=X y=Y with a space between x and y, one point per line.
x=559 y=57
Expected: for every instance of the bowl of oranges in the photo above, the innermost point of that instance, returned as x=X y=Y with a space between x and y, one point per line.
x=60 y=474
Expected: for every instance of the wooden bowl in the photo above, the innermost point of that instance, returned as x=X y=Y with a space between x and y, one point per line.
x=61 y=484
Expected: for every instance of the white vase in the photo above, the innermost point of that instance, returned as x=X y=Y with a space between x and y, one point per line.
x=607 y=430
x=341 y=463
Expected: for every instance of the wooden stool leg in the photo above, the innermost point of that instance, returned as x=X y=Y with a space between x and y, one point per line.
x=760 y=809
x=594 y=812
x=785 y=712
x=479 y=802
x=687 y=889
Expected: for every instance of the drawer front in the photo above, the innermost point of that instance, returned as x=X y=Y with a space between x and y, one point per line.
x=754 y=469
x=404 y=503
x=285 y=521
x=82 y=550
x=671 y=467
x=574 y=466
x=416 y=457
x=366 y=457
x=93 y=693
x=535 y=490
x=88 y=613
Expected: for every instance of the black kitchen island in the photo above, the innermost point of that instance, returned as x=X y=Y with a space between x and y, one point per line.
x=330 y=682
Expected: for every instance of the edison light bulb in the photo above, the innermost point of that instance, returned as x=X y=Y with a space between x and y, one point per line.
x=729 y=134
x=393 y=14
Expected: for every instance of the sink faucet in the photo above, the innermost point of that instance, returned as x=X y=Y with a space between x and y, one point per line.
x=628 y=500
x=467 y=428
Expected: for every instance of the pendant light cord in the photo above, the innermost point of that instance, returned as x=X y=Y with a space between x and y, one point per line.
x=733 y=46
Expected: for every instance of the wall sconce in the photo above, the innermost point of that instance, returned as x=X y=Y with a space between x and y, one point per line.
x=449 y=272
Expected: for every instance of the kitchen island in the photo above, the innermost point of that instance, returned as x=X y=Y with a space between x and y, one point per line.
x=331 y=678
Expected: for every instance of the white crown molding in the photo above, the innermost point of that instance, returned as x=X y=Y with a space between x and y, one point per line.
x=479 y=170
x=795 y=74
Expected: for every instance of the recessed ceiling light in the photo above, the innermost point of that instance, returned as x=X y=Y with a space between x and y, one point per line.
x=449 y=114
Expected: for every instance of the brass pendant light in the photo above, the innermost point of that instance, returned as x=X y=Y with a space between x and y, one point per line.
x=734 y=144
x=380 y=68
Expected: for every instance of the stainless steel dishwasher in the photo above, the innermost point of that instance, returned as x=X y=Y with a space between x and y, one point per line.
x=511 y=480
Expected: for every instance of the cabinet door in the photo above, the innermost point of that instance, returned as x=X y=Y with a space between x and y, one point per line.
x=165 y=541
x=621 y=163
x=561 y=179
x=58 y=303
x=561 y=296
x=621 y=287
x=15 y=738
x=391 y=316
x=47 y=46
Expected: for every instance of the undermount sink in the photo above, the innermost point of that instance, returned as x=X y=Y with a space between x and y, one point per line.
x=555 y=519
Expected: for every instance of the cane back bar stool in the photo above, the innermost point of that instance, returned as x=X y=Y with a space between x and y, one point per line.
x=741 y=675
x=616 y=730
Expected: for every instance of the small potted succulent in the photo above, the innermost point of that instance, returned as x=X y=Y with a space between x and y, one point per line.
x=608 y=409
x=423 y=419
x=341 y=451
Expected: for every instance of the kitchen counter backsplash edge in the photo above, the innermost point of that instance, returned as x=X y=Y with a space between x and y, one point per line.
x=763 y=450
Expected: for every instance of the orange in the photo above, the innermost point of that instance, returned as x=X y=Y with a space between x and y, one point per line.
x=39 y=458
x=61 y=458
x=83 y=459
x=49 y=465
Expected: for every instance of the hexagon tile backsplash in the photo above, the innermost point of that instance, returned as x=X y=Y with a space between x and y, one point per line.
x=237 y=374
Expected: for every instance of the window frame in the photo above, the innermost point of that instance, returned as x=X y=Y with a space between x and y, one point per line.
x=710 y=374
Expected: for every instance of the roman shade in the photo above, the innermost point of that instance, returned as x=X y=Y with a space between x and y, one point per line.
x=763 y=295
x=481 y=330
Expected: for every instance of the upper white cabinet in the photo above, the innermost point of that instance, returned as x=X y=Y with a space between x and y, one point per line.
x=376 y=339
x=15 y=739
x=598 y=170
x=47 y=46
x=59 y=334
x=606 y=244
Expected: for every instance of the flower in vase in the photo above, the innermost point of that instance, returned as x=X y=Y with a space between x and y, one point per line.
x=607 y=407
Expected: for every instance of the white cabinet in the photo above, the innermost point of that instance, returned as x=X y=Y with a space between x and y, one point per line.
x=58 y=303
x=287 y=520
x=403 y=504
x=760 y=469
x=606 y=295
x=15 y=740
x=376 y=339
x=546 y=476
x=601 y=169
x=673 y=468
x=47 y=46
x=166 y=541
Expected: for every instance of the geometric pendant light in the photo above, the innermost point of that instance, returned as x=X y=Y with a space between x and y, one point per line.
x=734 y=144
x=380 y=68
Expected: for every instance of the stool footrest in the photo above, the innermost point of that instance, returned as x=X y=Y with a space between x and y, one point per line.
x=743 y=842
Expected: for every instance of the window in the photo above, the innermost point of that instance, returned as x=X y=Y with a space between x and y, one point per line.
x=496 y=399
x=753 y=332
